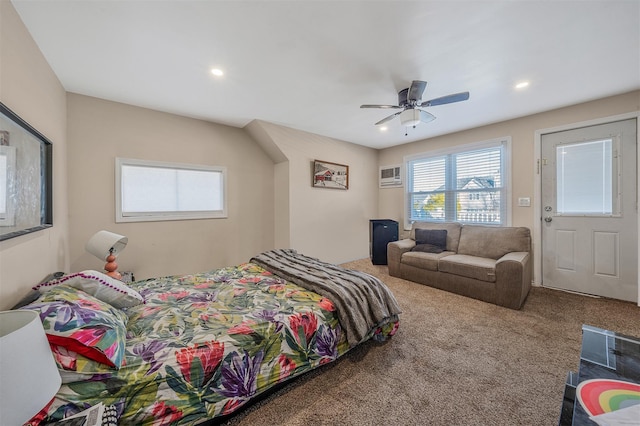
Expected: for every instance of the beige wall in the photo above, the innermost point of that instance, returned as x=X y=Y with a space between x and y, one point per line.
x=330 y=224
x=29 y=87
x=522 y=132
x=99 y=131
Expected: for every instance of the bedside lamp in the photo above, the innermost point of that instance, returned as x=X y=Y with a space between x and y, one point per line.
x=28 y=374
x=107 y=246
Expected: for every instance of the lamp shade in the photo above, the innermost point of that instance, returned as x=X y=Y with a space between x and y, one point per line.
x=105 y=243
x=29 y=377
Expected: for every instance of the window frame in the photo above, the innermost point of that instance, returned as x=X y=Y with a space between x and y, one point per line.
x=150 y=216
x=504 y=142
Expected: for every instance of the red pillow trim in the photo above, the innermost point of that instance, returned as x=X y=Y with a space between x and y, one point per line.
x=78 y=347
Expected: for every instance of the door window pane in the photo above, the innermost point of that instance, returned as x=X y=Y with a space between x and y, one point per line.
x=585 y=183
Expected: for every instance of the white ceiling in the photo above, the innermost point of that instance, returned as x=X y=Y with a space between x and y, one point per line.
x=309 y=65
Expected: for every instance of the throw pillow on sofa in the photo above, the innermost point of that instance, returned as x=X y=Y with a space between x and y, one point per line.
x=431 y=240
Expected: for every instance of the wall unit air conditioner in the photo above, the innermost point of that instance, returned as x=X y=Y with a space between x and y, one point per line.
x=390 y=176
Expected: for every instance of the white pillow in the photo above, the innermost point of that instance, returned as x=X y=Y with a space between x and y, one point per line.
x=101 y=286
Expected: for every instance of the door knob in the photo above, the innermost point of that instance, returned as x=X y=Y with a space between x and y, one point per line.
x=548 y=219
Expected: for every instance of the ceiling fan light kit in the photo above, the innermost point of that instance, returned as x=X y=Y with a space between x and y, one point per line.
x=409 y=101
x=410 y=117
x=413 y=116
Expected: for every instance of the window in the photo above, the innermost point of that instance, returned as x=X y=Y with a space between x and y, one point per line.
x=149 y=190
x=467 y=184
x=586 y=178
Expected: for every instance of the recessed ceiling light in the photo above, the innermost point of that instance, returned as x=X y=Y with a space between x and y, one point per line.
x=522 y=85
x=217 y=72
x=383 y=128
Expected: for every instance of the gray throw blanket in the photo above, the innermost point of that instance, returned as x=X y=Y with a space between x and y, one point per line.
x=362 y=301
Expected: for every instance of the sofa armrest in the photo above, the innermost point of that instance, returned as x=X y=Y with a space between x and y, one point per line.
x=513 y=279
x=515 y=256
x=395 y=250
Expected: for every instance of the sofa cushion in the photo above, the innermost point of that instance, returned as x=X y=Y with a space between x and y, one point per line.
x=424 y=260
x=479 y=268
x=452 y=228
x=427 y=248
x=493 y=242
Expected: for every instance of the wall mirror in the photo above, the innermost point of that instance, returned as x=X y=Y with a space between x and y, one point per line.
x=25 y=177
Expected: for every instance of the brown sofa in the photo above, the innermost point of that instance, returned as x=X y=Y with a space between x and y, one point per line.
x=489 y=263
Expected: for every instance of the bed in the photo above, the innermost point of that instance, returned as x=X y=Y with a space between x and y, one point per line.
x=187 y=349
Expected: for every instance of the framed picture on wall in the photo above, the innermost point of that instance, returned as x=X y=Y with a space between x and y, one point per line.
x=330 y=175
x=26 y=178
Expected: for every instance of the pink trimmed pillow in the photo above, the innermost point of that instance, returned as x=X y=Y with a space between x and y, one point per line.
x=83 y=324
x=101 y=286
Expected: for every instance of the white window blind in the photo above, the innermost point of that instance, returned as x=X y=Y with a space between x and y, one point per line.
x=149 y=190
x=463 y=185
x=585 y=178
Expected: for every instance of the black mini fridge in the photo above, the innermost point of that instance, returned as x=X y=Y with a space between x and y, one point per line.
x=381 y=233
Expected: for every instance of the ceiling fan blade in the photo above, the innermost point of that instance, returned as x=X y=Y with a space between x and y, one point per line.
x=389 y=118
x=416 y=90
x=426 y=117
x=381 y=106
x=456 y=97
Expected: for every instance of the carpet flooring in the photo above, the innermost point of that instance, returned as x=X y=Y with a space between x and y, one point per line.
x=453 y=361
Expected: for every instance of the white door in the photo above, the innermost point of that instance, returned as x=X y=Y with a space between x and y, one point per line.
x=589 y=210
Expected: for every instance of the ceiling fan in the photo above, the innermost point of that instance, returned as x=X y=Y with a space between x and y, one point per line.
x=409 y=101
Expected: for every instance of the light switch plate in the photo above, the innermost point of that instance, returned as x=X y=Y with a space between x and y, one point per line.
x=524 y=202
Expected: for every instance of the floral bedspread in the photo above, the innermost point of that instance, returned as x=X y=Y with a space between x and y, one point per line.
x=203 y=345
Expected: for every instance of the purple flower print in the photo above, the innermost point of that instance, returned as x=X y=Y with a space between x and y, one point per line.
x=267 y=315
x=148 y=351
x=270 y=315
x=67 y=315
x=239 y=373
x=327 y=342
x=204 y=297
